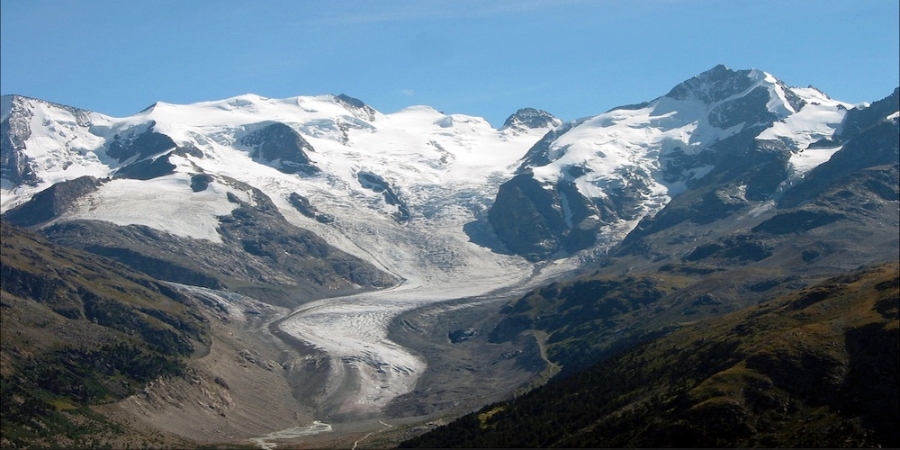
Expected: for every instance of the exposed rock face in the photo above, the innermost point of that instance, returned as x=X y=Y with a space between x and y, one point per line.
x=282 y=146
x=537 y=222
x=749 y=109
x=200 y=182
x=746 y=170
x=376 y=183
x=359 y=108
x=539 y=153
x=531 y=118
x=714 y=85
x=303 y=205
x=147 y=155
x=147 y=169
x=860 y=119
x=144 y=145
x=51 y=202
x=14 y=131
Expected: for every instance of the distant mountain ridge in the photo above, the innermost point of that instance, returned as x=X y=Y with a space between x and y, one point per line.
x=735 y=152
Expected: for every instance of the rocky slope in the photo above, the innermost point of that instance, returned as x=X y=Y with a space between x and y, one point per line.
x=96 y=354
x=814 y=368
x=80 y=331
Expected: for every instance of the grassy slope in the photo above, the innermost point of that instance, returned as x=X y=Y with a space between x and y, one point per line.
x=818 y=367
x=78 y=330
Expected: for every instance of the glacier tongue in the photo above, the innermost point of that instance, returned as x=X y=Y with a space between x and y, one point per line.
x=437 y=264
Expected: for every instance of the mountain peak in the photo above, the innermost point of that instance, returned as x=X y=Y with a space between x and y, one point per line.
x=716 y=84
x=358 y=107
x=531 y=118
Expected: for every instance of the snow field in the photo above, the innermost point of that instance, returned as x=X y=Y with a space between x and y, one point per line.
x=165 y=203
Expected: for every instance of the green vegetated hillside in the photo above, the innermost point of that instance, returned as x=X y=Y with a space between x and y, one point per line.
x=584 y=319
x=812 y=368
x=79 y=330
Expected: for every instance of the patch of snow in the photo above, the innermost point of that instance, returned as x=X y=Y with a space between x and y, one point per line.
x=176 y=209
x=820 y=118
x=805 y=160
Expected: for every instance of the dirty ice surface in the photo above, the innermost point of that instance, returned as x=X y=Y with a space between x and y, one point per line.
x=436 y=265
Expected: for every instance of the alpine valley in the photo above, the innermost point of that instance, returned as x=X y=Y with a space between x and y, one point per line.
x=717 y=267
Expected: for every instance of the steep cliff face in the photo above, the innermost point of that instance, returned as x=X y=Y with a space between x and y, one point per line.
x=13 y=163
x=282 y=146
x=540 y=223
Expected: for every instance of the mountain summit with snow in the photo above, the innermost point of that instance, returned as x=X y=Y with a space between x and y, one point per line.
x=594 y=179
x=531 y=118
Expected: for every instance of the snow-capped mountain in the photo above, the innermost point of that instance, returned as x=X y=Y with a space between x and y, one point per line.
x=327 y=159
x=333 y=160
x=336 y=166
x=594 y=179
x=336 y=137
x=288 y=199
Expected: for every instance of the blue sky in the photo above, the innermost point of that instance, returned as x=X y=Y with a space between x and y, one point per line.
x=487 y=58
